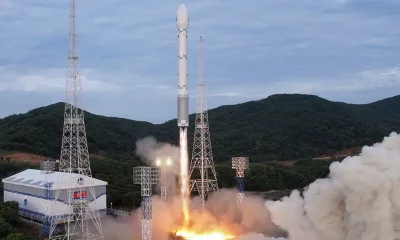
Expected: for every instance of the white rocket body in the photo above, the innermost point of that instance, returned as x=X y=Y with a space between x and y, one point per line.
x=182 y=23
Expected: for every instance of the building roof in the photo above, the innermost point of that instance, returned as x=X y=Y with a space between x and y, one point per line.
x=35 y=178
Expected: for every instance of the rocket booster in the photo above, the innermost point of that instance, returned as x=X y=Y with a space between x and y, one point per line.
x=182 y=23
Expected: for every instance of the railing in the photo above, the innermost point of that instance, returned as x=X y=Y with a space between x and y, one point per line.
x=31 y=217
x=118 y=212
x=38 y=219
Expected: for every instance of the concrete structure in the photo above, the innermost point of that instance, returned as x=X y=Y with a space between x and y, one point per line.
x=29 y=190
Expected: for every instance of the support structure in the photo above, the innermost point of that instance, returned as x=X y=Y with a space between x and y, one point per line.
x=47 y=167
x=202 y=158
x=163 y=164
x=79 y=219
x=146 y=177
x=240 y=164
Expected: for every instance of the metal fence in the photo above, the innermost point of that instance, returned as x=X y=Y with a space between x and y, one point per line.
x=118 y=212
x=38 y=219
x=31 y=216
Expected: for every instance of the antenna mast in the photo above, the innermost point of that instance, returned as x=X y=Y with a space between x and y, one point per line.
x=202 y=157
x=75 y=207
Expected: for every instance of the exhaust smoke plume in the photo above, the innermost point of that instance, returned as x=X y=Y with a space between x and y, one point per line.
x=359 y=200
x=221 y=212
x=149 y=149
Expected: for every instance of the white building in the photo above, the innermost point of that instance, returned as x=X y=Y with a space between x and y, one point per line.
x=29 y=190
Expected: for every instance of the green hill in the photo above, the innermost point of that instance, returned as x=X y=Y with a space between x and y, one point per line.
x=280 y=127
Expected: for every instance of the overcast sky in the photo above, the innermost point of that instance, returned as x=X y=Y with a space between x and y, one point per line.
x=340 y=50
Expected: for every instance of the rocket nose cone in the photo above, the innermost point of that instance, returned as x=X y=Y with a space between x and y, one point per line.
x=182 y=17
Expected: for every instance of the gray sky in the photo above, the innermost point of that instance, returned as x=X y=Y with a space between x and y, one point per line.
x=340 y=50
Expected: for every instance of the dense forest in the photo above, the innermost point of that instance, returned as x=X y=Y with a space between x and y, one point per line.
x=280 y=127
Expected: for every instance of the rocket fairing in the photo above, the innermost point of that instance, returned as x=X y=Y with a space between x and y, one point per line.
x=182 y=23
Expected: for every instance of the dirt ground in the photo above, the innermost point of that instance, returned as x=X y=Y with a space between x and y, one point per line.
x=22 y=157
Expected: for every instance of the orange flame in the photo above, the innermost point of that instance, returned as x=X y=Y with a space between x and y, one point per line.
x=214 y=235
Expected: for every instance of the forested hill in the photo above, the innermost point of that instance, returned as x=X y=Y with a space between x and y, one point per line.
x=280 y=127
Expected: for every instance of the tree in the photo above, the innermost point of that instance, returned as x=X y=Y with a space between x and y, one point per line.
x=9 y=211
x=17 y=236
x=5 y=228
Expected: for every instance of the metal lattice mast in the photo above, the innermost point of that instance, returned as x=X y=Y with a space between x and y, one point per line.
x=146 y=177
x=79 y=219
x=47 y=167
x=240 y=164
x=163 y=164
x=202 y=157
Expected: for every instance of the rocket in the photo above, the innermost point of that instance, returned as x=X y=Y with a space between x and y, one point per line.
x=182 y=23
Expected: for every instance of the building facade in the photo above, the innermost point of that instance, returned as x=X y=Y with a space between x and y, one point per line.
x=35 y=192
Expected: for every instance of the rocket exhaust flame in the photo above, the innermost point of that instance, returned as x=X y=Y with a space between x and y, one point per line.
x=184 y=175
x=188 y=235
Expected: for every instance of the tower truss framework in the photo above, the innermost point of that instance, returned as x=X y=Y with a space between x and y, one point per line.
x=202 y=158
x=47 y=167
x=163 y=164
x=240 y=164
x=78 y=217
x=146 y=177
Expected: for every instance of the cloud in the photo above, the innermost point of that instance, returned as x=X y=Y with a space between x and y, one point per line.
x=53 y=80
x=250 y=50
x=361 y=81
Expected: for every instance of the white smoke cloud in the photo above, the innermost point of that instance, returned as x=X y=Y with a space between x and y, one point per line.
x=149 y=149
x=359 y=200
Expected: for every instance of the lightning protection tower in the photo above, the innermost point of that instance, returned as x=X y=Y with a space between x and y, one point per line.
x=163 y=164
x=81 y=221
x=146 y=177
x=202 y=158
x=240 y=164
x=47 y=168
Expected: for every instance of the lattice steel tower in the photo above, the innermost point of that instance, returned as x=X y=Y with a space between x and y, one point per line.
x=47 y=168
x=163 y=165
x=240 y=164
x=146 y=177
x=78 y=217
x=202 y=157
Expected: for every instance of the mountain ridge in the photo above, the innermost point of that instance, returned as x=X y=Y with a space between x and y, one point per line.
x=279 y=127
